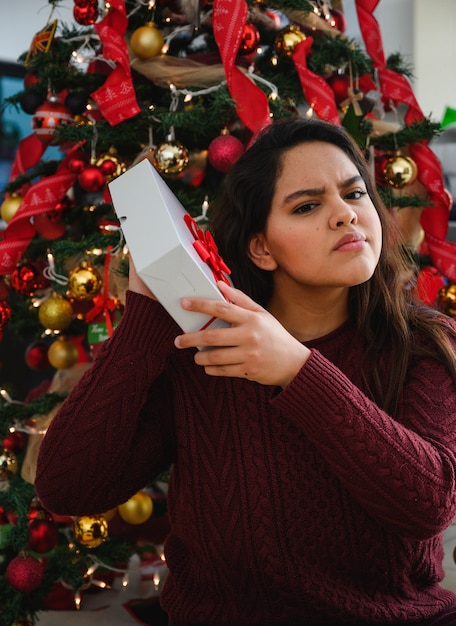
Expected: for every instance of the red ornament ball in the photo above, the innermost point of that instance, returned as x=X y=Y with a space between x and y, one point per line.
x=338 y=20
x=340 y=83
x=76 y=165
x=224 y=151
x=92 y=179
x=49 y=225
x=43 y=535
x=14 y=441
x=250 y=39
x=50 y=116
x=5 y=313
x=36 y=356
x=25 y=573
x=26 y=279
x=86 y=15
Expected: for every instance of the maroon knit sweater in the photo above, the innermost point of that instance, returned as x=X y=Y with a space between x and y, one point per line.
x=294 y=507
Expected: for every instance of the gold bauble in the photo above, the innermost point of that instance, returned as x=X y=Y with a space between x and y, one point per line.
x=55 y=313
x=447 y=297
x=8 y=464
x=10 y=206
x=90 y=530
x=84 y=282
x=288 y=39
x=147 y=41
x=400 y=171
x=171 y=157
x=62 y=354
x=137 y=509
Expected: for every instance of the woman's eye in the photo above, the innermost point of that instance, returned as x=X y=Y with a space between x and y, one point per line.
x=306 y=208
x=356 y=194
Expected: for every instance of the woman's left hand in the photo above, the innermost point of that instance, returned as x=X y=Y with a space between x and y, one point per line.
x=256 y=346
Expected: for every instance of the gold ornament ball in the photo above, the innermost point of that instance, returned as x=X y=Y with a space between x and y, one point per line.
x=147 y=41
x=8 y=464
x=447 y=297
x=90 y=530
x=84 y=282
x=288 y=39
x=10 y=206
x=137 y=509
x=62 y=354
x=171 y=157
x=400 y=171
x=55 y=313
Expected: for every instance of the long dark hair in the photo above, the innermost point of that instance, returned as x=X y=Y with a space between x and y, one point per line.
x=384 y=309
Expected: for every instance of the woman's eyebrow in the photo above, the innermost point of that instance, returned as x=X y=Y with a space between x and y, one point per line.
x=314 y=191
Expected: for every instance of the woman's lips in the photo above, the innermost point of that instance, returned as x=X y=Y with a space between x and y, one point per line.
x=351 y=242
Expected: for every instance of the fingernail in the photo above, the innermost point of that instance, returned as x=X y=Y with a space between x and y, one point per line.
x=185 y=303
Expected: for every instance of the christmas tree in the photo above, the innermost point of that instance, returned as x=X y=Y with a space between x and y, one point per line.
x=186 y=85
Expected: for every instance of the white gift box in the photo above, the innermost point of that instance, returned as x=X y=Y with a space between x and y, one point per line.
x=161 y=243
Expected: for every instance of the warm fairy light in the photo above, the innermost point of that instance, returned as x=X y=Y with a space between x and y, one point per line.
x=77 y=600
x=309 y=112
x=188 y=97
x=125 y=580
x=156 y=580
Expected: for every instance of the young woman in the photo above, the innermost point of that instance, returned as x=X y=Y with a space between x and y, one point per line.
x=313 y=447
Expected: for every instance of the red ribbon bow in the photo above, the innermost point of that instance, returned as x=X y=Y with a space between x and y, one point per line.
x=207 y=250
x=102 y=302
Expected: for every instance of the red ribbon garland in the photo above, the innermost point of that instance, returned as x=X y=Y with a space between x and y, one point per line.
x=28 y=155
x=228 y=20
x=395 y=87
x=40 y=198
x=207 y=250
x=316 y=90
x=103 y=303
x=116 y=98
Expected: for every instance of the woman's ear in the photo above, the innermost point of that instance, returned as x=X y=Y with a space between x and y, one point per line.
x=259 y=253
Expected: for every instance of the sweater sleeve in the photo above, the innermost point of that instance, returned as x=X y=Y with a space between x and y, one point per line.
x=113 y=434
x=401 y=471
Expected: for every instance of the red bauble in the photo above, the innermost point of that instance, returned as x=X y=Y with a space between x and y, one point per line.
x=92 y=179
x=338 y=20
x=108 y=167
x=14 y=441
x=250 y=39
x=5 y=313
x=76 y=165
x=43 y=535
x=50 y=116
x=339 y=83
x=36 y=356
x=86 y=15
x=25 y=573
x=224 y=151
x=49 y=225
x=26 y=279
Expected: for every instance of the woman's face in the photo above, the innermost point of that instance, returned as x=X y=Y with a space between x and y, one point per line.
x=323 y=229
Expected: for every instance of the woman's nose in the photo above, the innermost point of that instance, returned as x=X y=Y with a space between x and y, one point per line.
x=342 y=215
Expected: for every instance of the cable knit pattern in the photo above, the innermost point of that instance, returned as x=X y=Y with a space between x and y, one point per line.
x=305 y=506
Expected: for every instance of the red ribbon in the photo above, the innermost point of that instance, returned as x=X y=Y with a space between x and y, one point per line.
x=103 y=303
x=41 y=197
x=207 y=250
x=395 y=87
x=116 y=98
x=316 y=90
x=28 y=155
x=228 y=20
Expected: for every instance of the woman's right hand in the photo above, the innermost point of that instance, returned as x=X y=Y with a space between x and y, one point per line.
x=135 y=283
